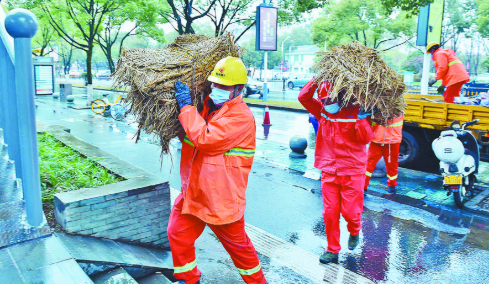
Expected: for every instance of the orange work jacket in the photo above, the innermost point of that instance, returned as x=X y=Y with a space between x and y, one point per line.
x=449 y=68
x=391 y=134
x=216 y=158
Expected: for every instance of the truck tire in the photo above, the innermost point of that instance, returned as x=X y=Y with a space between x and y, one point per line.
x=409 y=150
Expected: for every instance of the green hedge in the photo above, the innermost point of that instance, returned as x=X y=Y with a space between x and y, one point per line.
x=63 y=169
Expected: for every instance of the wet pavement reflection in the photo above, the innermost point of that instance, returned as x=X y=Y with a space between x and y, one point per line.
x=399 y=243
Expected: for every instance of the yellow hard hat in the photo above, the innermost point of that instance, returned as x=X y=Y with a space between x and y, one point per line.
x=430 y=45
x=229 y=71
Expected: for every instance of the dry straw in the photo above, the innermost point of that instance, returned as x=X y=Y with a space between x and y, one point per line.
x=151 y=74
x=364 y=77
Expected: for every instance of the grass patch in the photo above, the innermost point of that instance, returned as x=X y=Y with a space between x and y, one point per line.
x=296 y=105
x=63 y=169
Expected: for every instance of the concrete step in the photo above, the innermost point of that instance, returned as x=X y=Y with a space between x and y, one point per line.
x=156 y=278
x=44 y=260
x=108 y=252
x=116 y=276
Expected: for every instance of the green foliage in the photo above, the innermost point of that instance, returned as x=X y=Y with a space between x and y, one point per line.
x=363 y=20
x=483 y=17
x=411 y=6
x=414 y=62
x=62 y=169
x=392 y=58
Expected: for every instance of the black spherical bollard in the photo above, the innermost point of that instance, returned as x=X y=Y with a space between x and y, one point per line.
x=298 y=144
x=70 y=99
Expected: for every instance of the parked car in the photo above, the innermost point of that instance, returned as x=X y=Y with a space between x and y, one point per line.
x=298 y=80
x=103 y=74
x=75 y=74
x=478 y=84
x=253 y=87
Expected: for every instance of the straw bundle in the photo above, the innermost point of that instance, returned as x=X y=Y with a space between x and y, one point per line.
x=364 y=77
x=151 y=74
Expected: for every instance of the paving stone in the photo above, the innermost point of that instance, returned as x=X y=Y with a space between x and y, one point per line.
x=89 y=249
x=116 y=276
x=416 y=195
x=156 y=278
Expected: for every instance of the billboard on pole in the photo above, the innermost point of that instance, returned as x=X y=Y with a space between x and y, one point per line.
x=266 y=28
x=430 y=21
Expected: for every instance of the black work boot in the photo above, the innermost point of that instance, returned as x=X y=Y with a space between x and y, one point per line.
x=328 y=257
x=391 y=189
x=353 y=241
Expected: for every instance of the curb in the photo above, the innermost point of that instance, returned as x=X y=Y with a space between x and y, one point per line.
x=472 y=205
x=432 y=207
x=277 y=107
x=97 y=88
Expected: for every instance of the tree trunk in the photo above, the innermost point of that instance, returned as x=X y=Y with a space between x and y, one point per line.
x=110 y=60
x=89 y=63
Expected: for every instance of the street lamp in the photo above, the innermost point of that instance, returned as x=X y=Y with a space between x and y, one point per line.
x=283 y=53
x=282 y=69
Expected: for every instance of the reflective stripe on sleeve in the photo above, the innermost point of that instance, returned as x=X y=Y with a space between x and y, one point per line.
x=249 y=271
x=187 y=140
x=392 y=178
x=186 y=268
x=240 y=152
x=369 y=174
x=454 y=62
x=339 y=119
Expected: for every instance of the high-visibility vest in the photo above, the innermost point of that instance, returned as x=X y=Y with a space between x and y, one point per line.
x=449 y=68
x=390 y=134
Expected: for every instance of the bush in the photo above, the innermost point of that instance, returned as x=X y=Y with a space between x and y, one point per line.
x=63 y=169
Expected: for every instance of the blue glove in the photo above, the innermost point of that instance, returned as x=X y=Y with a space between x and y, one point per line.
x=363 y=114
x=182 y=94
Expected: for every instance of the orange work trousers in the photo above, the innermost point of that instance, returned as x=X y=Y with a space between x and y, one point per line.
x=452 y=91
x=184 y=229
x=391 y=158
x=341 y=194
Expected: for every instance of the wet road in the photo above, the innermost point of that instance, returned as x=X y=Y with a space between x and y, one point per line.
x=399 y=243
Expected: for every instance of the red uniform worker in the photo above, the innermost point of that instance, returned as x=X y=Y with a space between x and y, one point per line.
x=341 y=155
x=216 y=159
x=449 y=69
x=386 y=143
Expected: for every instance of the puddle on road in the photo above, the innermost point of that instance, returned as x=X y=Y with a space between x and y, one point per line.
x=403 y=244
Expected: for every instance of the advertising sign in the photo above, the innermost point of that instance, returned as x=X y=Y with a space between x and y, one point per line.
x=44 y=75
x=266 y=28
x=430 y=21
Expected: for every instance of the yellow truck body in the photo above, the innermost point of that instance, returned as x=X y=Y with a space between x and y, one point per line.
x=431 y=112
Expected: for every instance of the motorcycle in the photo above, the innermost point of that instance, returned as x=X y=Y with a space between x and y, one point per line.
x=458 y=152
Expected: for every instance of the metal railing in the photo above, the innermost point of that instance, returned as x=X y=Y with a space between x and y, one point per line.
x=17 y=105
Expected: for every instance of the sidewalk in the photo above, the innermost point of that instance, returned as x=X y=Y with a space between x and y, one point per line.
x=284 y=202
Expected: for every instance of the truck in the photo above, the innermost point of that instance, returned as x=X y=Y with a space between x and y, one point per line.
x=426 y=116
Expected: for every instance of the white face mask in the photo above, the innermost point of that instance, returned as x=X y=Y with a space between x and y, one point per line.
x=332 y=108
x=219 y=96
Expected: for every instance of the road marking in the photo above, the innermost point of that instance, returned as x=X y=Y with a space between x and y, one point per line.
x=295 y=258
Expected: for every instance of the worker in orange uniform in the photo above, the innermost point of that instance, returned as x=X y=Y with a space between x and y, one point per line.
x=217 y=153
x=386 y=142
x=341 y=155
x=449 y=69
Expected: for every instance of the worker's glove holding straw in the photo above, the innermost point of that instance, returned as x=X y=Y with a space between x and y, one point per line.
x=182 y=94
x=432 y=82
x=363 y=114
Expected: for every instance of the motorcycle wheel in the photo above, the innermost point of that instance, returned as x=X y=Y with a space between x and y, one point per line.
x=458 y=197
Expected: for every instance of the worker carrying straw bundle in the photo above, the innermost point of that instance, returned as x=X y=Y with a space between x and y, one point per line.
x=364 y=79
x=151 y=75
